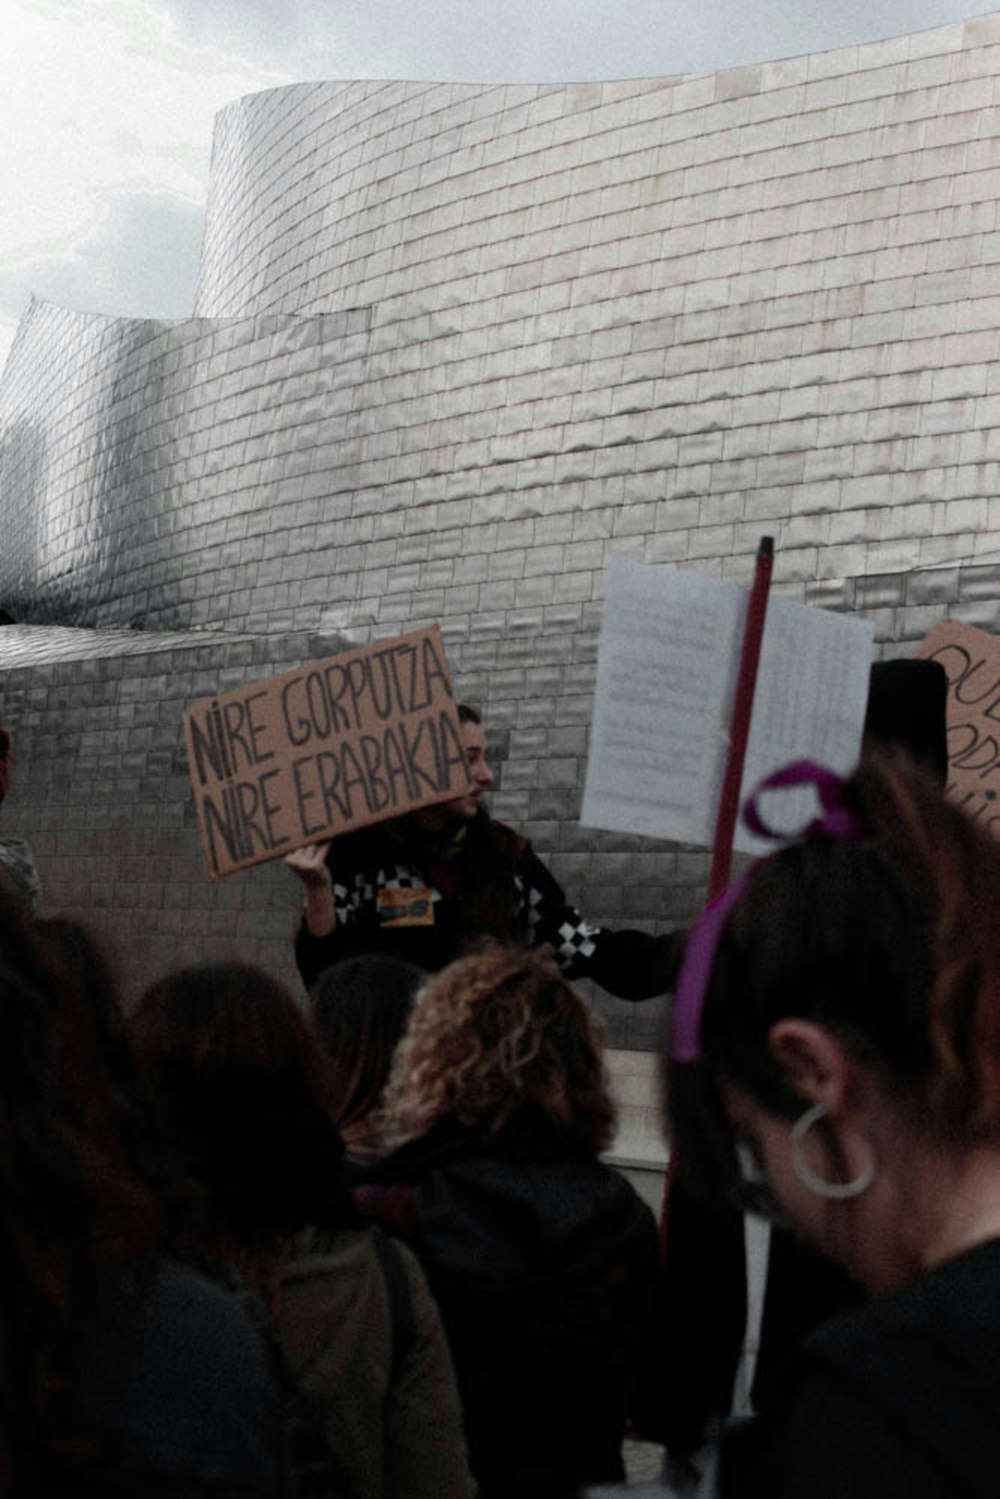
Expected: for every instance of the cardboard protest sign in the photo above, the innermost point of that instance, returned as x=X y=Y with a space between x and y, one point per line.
x=971 y=659
x=329 y=747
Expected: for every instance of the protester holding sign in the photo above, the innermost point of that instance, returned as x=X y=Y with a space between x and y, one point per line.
x=427 y=885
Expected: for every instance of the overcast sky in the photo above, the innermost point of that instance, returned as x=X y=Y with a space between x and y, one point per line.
x=107 y=105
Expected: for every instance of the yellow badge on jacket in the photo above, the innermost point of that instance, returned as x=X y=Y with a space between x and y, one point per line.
x=409 y=907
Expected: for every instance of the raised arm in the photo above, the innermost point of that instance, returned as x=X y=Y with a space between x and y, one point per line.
x=309 y=865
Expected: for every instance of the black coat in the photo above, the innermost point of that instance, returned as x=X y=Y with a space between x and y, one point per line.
x=900 y=1396
x=425 y=897
x=543 y=1261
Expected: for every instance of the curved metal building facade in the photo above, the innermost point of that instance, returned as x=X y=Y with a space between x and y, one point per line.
x=455 y=345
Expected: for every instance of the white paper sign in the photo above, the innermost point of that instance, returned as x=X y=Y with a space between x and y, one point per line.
x=667 y=664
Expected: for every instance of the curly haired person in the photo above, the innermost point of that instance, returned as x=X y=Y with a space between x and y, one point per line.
x=541 y=1257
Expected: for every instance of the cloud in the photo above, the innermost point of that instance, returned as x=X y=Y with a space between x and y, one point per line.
x=261 y=30
x=139 y=260
x=106 y=110
x=543 y=40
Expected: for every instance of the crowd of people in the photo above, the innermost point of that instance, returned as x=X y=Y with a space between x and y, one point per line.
x=207 y=1292
x=370 y=1245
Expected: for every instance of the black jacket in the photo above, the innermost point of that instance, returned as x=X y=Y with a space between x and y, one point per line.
x=426 y=896
x=542 y=1261
x=900 y=1397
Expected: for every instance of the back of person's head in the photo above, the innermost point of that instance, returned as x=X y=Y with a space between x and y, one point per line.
x=67 y=1075
x=889 y=939
x=80 y=948
x=361 y=1007
x=495 y=1035
x=239 y=1080
x=86 y=961
x=76 y=1203
x=81 y=953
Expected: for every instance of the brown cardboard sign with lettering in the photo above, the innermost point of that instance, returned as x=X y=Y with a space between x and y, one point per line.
x=329 y=747
x=971 y=659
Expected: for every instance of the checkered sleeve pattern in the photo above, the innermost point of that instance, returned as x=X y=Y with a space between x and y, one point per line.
x=346 y=900
x=632 y=964
x=552 y=921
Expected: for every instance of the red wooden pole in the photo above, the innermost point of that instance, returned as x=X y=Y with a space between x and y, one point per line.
x=729 y=799
x=739 y=733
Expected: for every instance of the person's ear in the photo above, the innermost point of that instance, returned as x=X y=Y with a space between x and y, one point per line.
x=813 y=1061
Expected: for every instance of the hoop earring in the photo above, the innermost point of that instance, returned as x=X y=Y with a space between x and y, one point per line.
x=831 y=1191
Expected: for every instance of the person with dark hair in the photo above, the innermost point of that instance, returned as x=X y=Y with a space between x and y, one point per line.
x=541 y=1257
x=736 y=1294
x=85 y=959
x=242 y=1089
x=18 y=872
x=125 y=1369
x=360 y=1007
x=428 y=885
x=835 y=1061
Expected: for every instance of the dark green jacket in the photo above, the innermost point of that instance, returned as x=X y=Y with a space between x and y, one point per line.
x=391 y=1413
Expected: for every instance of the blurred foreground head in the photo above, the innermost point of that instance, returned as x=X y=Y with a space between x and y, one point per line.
x=241 y=1089
x=79 y=1195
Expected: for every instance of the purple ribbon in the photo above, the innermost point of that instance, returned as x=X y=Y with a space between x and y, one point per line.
x=837 y=823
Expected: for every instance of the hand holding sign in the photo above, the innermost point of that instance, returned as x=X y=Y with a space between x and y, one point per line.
x=332 y=746
x=309 y=863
